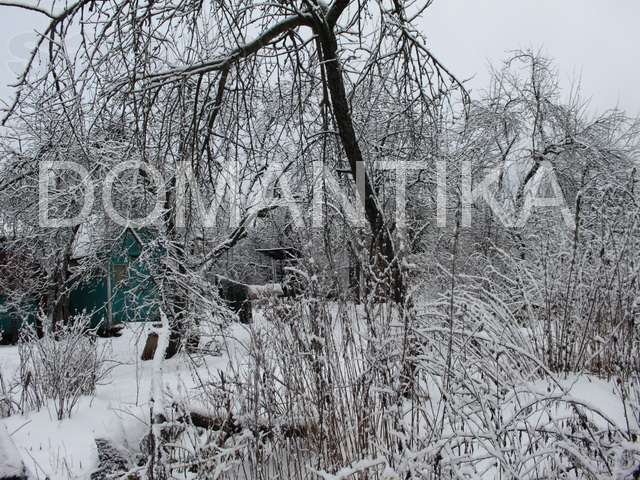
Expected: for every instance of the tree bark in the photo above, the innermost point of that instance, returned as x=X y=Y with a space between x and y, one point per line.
x=383 y=254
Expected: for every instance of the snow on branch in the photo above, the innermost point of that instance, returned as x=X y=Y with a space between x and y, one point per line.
x=222 y=62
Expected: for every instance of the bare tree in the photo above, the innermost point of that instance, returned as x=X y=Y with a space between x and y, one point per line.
x=216 y=59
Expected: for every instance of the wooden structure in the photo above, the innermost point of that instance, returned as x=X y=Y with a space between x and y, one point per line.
x=237 y=297
x=123 y=290
x=280 y=258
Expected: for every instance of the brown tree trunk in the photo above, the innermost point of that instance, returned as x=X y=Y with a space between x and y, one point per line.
x=58 y=301
x=174 y=292
x=383 y=254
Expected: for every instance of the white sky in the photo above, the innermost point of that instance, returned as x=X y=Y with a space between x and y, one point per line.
x=596 y=41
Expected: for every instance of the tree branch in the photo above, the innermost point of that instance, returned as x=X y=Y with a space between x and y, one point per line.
x=224 y=61
x=26 y=6
x=336 y=9
x=231 y=426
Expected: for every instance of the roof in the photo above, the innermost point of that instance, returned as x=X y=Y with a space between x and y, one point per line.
x=92 y=236
x=88 y=238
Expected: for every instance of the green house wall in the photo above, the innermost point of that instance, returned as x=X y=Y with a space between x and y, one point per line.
x=132 y=299
x=11 y=320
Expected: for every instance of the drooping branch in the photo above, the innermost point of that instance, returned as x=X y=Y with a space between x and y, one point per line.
x=234 y=237
x=223 y=62
x=57 y=18
x=27 y=6
x=214 y=114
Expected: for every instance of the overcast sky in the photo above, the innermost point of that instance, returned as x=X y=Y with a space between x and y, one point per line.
x=593 y=40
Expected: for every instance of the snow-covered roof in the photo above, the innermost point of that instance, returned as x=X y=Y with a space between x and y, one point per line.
x=88 y=238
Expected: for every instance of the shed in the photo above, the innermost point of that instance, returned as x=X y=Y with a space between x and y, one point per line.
x=123 y=289
x=280 y=258
x=13 y=318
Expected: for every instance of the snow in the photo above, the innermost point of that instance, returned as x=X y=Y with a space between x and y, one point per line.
x=601 y=397
x=87 y=237
x=66 y=448
x=358 y=467
x=10 y=460
x=118 y=412
x=268 y=289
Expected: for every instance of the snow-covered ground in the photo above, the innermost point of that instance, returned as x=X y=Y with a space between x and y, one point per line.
x=119 y=411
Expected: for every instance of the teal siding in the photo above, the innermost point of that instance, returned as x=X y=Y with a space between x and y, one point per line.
x=133 y=296
x=91 y=298
x=11 y=320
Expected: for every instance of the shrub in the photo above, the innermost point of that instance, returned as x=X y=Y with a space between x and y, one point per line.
x=61 y=366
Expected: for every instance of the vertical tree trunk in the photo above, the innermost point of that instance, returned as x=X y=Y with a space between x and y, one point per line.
x=174 y=293
x=383 y=254
x=58 y=301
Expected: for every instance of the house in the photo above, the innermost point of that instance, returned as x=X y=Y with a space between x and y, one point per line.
x=13 y=318
x=116 y=282
x=122 y=289
x=118 y=287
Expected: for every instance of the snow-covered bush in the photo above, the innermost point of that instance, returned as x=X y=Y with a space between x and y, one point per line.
x=323 y=384
x=495 y=409
x=579 y=303
x=455 y=389
x=61 y=366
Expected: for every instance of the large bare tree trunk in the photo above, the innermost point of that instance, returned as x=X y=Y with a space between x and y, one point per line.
x=383 y=254
x=58 y=301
